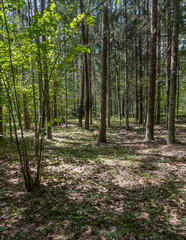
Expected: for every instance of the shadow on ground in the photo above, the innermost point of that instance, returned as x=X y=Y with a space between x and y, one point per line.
x=93 y=191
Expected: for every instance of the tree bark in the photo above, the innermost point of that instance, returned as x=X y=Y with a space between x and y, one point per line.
x=126 y=70
x=152 y=79
x=25 y=108
x=140 y=72
x=85 y=42
x=178 y=95
x=90 y=84
x=109 y=79
x=55 y=106
x=116 y=55
x=159 y=69
x=82 y=98
x=123 y=104
x=172 y=97
x=40 y=83
x=102 y=128
x=46 y=80
x=168 y=54
x=10 y=124
x=95 y=92
x=147 y=60
x=136 y=69
x=66 y=100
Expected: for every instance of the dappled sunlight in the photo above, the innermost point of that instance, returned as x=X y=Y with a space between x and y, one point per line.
x=127 y=187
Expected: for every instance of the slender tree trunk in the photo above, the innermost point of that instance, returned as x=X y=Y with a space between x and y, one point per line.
x=25 y=108
x=172 y=97
x=136 y=70
x=178 y=95
x=22 y=149
x=66 y=100
x=109 y=78
x=90 y=84
x=109 y=75
x=85 y=42
x=76 y=90
x=55 y=107
x=159 y=69
x=87 y=101
x=116 y=55
x=147 y=60
x=168 y=54
x=55 y=98
x=102 y=129
x=62 y=111
x=118 y=86
x=77 y=87
x=46 y=80
x=126 y=71
x=40 y=83
x=140 y=72
x=123 y=104
x=95 y=91
x=10 y=125
x=82 y=97
x=152 y=80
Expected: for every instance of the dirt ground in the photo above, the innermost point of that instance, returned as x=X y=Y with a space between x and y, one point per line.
x=125 y=189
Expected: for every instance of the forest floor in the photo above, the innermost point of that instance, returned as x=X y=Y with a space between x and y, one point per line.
x=125 y=189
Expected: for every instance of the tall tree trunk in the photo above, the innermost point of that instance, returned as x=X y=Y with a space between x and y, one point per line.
x=95 y=90
x=172 y=97
x=118 y=88
x=102 y=128
x=66 y=100
x=152 y=80
x=90 y=84
x=126 y=70
x=82 y=97
x=136 y=69
x=75 y=76
x=40 y=83
x=77 y=87
x=25 y=108
x=10 y=124
x=147 y=60
x=123 y=103
x=22 y=148
x=178 y=95
x=55 y=107
x=159 y=69
x=109 y=77
x=140 y=72
x=168 y=54
x=116 y=55
x=109 y=82
x=85 y=42
x=46 y=80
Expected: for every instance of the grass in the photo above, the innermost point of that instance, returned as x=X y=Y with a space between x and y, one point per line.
x=124 y=189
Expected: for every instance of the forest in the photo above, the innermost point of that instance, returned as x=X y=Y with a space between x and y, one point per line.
x=92 y=119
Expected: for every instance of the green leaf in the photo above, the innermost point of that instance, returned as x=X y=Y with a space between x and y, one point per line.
x=90 y=20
